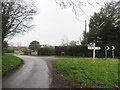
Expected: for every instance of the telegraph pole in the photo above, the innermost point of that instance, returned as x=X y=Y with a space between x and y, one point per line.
x=85 y=27
x=85 y=31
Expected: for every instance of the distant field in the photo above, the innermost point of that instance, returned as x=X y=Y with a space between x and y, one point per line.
x=87 y=73
x=9 y=61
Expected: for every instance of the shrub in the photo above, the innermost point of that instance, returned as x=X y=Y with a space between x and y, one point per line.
x=9 y=50
x=28 y=52
x=59 y=49
x=80 y=50
x=72 y=50
x=46 y=51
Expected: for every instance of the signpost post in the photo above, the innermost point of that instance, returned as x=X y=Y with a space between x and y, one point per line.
x=92 y=47
x=107 y=48
x=113 y=51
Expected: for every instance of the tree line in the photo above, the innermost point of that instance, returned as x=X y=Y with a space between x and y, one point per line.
x=104 y=28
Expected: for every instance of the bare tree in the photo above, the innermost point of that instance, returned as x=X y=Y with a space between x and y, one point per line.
x=73 y=43
x=78 y=6
x=16 y=17
x=64 y=41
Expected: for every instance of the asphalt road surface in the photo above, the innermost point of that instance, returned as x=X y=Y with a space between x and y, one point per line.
x=34 y=73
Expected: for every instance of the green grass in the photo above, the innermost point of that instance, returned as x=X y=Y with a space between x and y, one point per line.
x=9 y=61
x=68 y=56
x=103 y=73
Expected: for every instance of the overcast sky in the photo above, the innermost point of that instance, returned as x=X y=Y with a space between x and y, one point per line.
x=52 y=23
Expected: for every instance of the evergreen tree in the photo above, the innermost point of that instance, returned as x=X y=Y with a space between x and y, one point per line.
x=103 y=28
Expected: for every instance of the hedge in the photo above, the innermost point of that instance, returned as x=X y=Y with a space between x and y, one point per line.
x=10 y=51
x=80 y=50
x=46 y=51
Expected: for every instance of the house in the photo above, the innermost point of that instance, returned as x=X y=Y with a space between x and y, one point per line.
x=23 y=49
x=42 y=46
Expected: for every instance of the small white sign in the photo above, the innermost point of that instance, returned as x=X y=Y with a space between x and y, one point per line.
x=113 y=47
x=96 y=48
x=107 y=47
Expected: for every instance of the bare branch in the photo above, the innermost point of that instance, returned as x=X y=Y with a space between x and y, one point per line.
x=78 y=5
x=16 y=17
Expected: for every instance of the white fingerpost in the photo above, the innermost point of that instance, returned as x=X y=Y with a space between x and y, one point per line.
x=113 y=51
x=92 y=47
x=94 y=51
x=107 y=48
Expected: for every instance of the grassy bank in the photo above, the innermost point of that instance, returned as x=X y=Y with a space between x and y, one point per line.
x=87 y=73
x=9 y=61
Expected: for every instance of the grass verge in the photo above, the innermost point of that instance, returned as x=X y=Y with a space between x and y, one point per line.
x=9 y=61
x=103 y=73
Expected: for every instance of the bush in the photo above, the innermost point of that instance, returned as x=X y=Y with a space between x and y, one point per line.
x=10 y=50
x=81 y=51
x=77 y=51
x=59 y=49
x=27 y=52
x=46 y=51
x=73 y=50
